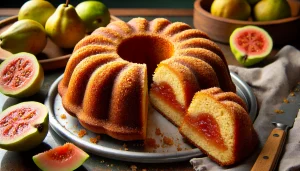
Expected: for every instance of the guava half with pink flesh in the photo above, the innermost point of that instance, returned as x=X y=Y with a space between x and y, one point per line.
x=23 y=126
x=21 y=75
x=61 y=158
x=250 y=44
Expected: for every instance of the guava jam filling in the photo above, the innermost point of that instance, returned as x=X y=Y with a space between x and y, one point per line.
x=165 y=91
x=251 y=42
x=17 y=122
x=61 y=154
x=207 y=127
x=17 y=73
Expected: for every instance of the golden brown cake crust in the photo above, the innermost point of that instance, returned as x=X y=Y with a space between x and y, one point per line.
x=204 y=73
x=216 y=62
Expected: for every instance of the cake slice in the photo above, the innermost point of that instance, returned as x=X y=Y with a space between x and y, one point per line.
x=175 y=82
x=219 y=125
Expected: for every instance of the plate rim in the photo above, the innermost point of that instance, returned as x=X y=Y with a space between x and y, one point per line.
x=130 y=156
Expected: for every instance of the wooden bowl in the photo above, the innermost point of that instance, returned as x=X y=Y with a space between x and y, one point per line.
x=283 y=31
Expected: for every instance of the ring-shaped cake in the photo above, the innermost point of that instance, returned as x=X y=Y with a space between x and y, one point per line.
x=105 y=83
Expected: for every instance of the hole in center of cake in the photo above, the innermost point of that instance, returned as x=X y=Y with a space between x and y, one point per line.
x=146 y=49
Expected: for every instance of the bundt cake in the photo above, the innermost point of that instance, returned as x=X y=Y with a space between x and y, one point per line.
x=217 y=122
x=105 y=81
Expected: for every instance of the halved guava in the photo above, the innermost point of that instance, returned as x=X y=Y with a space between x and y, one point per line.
x=23 y=126
x=21 y=75
x=61 y=158
x=250 y=44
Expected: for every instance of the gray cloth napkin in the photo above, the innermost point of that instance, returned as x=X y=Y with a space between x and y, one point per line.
x=270 y=84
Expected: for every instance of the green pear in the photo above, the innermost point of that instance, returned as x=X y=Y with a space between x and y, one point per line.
x=64 y=26
x=24 y=36
x=267 y=10
x=38 y=10
x=94 y=14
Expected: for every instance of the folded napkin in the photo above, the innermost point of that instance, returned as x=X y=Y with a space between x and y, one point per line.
x=270 y=84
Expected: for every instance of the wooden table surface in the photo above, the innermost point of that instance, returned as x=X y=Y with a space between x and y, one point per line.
x=22 y=161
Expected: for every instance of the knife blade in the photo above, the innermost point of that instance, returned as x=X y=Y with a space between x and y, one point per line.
x=268 y=157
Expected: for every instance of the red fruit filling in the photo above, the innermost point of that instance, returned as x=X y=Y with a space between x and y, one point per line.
x=166 y=92
x=208 y=127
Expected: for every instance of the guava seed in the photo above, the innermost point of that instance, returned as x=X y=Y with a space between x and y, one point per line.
x=40 y=127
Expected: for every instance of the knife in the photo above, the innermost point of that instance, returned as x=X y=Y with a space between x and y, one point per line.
x=268 y=157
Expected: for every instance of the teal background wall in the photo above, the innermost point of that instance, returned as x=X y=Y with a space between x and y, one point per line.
x=113 y=3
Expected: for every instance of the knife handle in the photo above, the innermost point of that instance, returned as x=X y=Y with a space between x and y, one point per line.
x=270 y=153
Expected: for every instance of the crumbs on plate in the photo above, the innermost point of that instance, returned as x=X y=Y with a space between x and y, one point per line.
x=278 y=111
x=125 y=147
x=292 y=93
x=168 y=141
x=81 y=133
x=157 y=131
x=63 y=116
x=95 y=140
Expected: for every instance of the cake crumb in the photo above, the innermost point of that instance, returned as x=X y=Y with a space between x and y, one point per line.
x=63 y=116
x=297 y=90
x=179 y=149
x=95 y=140
x=292 y=93
x=285 y=100
x=125 y=147
x=168 y=141
x=133 y=167
x=150 y=142
x=157 y=131
x=279 y=111
x=82 y=133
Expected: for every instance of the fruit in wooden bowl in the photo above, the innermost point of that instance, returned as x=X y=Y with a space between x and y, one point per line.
x=268 y=10
x=234 y=9
x=24 y=36
x=94 y=14
x=64 y=27
x=38 y=10
x=282 y=31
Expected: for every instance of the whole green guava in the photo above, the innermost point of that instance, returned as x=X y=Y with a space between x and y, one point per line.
x=94 y=14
